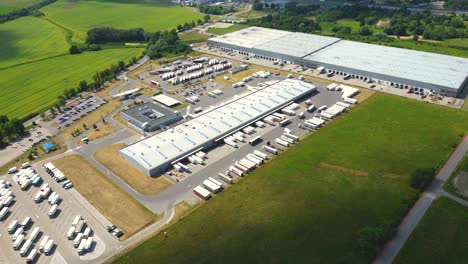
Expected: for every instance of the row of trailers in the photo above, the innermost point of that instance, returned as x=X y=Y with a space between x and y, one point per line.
x=238 y=169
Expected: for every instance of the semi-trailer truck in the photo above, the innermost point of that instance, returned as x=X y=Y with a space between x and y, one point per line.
x=260 y=154
x=254 y=159
x=270 y=149
x=202 y=192
x=77 y=240
x=48 y=247
x=32 y=256
x=224 y=178
x=212 y=187
x=25 y=248
x=291 y=136
x=216 y=182
x=34 y=234
x=18 y=242
x=43 y=243
x=52 y=211
x=281 y=142
x=235 y=171
x=12 y=227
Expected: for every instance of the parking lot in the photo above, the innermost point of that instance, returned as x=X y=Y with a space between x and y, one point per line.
x=78 y=110
x=55 y=225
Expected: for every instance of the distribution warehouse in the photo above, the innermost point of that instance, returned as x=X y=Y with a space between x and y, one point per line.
x=397 y=67
x=157 y=153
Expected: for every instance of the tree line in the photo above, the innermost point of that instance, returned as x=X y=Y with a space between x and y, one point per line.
x=166 y=43
x=216 y=9
x=286 y=21
x=102 y=35
x=28 y=11
x=10 y=129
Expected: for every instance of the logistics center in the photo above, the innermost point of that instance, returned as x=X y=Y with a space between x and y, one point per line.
x=157 y=153
x=400 y=68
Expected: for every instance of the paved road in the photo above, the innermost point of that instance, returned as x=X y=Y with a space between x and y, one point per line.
x=455 y=198
x=410 y=221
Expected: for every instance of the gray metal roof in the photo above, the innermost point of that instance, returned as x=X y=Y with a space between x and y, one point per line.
x=213 y=124
x=297 y=44
x=136 y=113
x=250 y=37
x=443 y=70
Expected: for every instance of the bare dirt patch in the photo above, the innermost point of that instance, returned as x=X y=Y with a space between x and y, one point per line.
x=343 y=169
x=364 y=94
x=461 y=183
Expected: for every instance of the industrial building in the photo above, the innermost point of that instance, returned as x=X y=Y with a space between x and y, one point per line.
x=148 y=117
x=400 y=68
x=157 y=153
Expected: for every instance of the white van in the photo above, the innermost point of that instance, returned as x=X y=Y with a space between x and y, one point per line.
x=12 y=170
x=43 y=243
x=12 y=227
x=52 y=211
x=34 y=234
x=38 y=197
x=25 y=165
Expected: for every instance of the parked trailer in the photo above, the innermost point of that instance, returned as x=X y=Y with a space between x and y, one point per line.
x=235 y=171
x=240 y=167
x=26 y=222
x=25 y=248
x=289 y=140
x=43 y=243
x=79 y=226
x=34 y=234
x=202 y=192
x=52 y=211
x=55 y=199
x=18 y=242
x=284 y=122
x=282 y=142
x=87 y=232
x=224 y=178
x=212 y=187
x=32 y=256
x=51 y=196
x=48 y=247
x=254 y=159
x=8 y=200
x=76 y=220
x=255 y=140
x=291 y=136
x=230 y=143
x=37 y=181
x=12 y=227
x=343 y=104
x=71 y=232
x=260 y=154
x=185 y=168
x=88 y=244
x=77 y=240
x=248 y=164
x=350 y=100
x=216 y=182
x=17 y=233
x=272 y=150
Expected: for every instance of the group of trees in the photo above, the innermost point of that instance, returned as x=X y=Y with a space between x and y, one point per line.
x=32 y=10
x=286 y=21
x=456 y=4
x=216 y=9
x=260 y=5
x=164 y=43
x=10 y=129
x=107 y=34
x=187 y=25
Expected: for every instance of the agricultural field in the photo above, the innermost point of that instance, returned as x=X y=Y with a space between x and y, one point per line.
x=311 y=204
x=28 y=39
x=440 y=237
x=222 y=31
x=109 y=199
x=149 y=15
x=10 y=5
x=193 y=37
x=34 y=87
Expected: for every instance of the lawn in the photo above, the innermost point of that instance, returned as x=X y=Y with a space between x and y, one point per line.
x=440 y=237
x=193 y=37
x=451 y=186
x=34 y=87
x=222 y=31
x=110 y=200
x=309 y=204
x=150 y=15
x=10 y=5
x=30 y=38
x=110 y=158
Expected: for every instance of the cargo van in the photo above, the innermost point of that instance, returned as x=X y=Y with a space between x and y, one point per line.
x=77 y=240
x=26 y=222
x=34 y=234
x=52 y=211
x=48 y=247
x=12 y=227
x=32 y=256
x=43 y=243
x=18 y=242
x=25 y=165
x=71 y=232
x=12 y=170
x=25 y=248
x=17 y=233
x=38 y=197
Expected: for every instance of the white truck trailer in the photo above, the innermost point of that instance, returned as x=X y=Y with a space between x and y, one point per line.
x=260 y=154
x=225 y=178
x=281 y=142
x=270 y=149
x=212 y=187
x=202 y=192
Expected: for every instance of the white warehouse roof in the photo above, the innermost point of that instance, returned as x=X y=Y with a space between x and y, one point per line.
x=420 y=66
x=429 y=70
x=175 y=143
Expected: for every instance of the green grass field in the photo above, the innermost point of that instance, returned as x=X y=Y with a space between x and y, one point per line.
x=222 y=31
x=450 y=184
x=193 y=37
x=28 y=39
x=440 y=237
x=309 y=203
x=33 y=87
x=80 y=16
x=10 y=5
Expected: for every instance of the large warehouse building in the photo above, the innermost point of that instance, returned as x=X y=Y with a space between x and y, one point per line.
x=155 y=154
x=397 y=67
